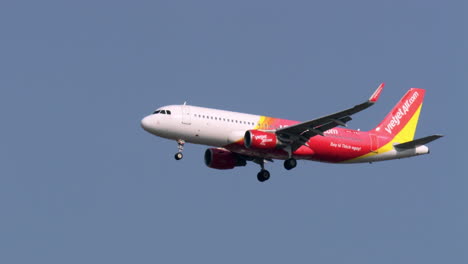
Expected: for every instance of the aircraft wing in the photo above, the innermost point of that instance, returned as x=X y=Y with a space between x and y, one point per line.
x=299 y=134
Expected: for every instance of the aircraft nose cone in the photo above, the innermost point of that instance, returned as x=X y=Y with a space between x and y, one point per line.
x=147 y=123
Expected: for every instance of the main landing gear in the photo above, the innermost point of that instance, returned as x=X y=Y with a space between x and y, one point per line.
x=180 y=147
x=263 y=175
x=290 y=163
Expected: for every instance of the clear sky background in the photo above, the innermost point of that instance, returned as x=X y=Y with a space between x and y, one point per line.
x=81 y=182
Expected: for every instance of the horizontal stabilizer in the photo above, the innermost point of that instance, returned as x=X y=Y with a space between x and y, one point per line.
x=417 y=142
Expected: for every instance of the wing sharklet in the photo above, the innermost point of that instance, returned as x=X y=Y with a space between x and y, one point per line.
x=375 y=96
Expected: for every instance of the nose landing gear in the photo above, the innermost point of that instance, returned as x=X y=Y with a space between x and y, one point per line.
x=180 y=147
x=178 y=156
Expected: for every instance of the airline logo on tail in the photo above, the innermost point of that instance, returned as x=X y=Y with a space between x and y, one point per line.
x=402 y=111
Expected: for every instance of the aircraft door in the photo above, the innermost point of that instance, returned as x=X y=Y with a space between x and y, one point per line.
x=374 y=144
x=186 y=117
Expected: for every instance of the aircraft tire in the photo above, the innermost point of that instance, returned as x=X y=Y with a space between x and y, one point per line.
x=178 y=156
x=263 y=175
x=290 y=164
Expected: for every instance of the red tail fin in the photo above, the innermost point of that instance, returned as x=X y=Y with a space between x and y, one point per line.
x=401 y=122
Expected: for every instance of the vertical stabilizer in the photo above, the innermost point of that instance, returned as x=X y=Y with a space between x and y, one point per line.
x=400 y=124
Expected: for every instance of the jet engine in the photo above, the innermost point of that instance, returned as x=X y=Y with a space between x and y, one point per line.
x=260 y=140
x=222 y=159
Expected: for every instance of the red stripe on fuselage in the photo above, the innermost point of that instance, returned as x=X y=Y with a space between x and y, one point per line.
x=337 y=145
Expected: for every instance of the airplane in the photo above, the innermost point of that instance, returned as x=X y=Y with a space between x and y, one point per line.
x=238 y=137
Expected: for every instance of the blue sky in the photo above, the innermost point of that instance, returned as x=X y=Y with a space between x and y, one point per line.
x=81 y=182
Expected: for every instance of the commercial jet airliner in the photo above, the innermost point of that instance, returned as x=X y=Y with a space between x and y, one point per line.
x=237 y=138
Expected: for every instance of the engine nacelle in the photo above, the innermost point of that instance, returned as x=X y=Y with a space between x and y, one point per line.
x=260 y=139
x=222 y=159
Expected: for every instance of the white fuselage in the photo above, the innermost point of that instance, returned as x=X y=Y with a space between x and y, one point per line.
x=200 y=125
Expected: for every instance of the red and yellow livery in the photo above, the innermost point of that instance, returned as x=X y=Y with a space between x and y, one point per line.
x=239 y=137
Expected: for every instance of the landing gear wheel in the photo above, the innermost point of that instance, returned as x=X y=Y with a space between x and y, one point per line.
x=290 y=163
x=180 y=147
x=178 y=156
x=263 y=175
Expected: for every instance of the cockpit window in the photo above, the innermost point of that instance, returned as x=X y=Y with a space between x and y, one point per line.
x=164 y=112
